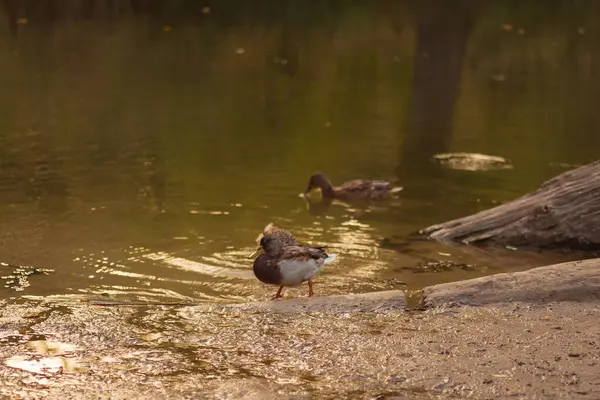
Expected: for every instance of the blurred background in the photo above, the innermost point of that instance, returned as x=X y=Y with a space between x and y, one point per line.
x=144 y=144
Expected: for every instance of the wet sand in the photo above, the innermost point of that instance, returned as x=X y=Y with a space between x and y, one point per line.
x=377 y=350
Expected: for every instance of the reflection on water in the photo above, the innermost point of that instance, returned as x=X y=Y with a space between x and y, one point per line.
x=143 y=147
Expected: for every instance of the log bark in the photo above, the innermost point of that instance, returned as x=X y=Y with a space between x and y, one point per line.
x=573 y=281
x=563 y=214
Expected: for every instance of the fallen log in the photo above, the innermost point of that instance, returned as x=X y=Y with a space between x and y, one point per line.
x=573 y=281
x=563 y=214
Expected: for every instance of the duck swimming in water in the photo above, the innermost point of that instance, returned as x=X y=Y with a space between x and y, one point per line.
x=289 y=265
x=357 y=190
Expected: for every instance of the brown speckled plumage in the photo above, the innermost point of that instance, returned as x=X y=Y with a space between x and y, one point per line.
x=286 y=238
x=358 y=189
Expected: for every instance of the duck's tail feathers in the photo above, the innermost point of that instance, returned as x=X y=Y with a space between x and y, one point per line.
x=396 y=189
x=330 y=258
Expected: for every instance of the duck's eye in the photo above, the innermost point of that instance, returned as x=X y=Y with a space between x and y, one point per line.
x=266 y=241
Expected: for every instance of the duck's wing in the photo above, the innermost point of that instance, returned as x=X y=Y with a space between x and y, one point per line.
x=381 y=185
x=302 y=253
x=300 y=263
x=357 y=185
x=364 y=185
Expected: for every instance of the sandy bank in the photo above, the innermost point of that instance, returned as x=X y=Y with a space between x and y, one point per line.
x=537 y=335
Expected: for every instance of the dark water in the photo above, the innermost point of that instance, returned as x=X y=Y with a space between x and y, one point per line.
x=144 y=145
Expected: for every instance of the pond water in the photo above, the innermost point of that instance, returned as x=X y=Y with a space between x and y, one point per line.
x=143 y=146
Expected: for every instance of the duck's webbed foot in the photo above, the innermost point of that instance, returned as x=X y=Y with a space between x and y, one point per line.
x=278 y=295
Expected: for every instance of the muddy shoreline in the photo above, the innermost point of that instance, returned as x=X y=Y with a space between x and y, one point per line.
x=532 y=334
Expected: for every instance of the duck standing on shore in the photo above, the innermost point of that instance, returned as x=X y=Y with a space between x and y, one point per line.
x=289 y=265
x=355 y=190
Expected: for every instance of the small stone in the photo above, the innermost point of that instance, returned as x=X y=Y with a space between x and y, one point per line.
x=573 y=380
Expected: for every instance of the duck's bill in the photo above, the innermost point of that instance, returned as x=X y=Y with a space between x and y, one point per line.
x=256 y=252
x=306 y=192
